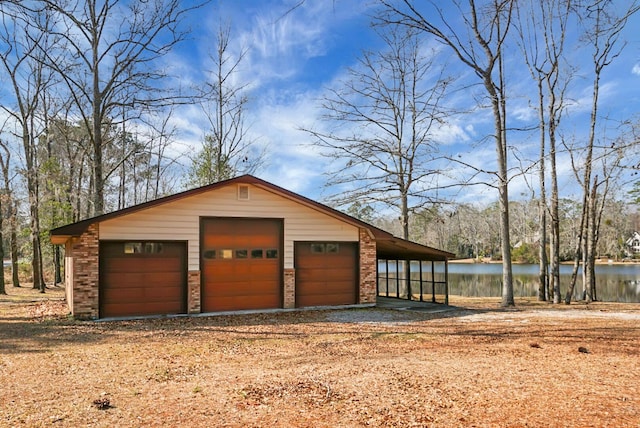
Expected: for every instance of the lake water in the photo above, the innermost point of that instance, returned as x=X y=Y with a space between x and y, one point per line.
x=614 y=283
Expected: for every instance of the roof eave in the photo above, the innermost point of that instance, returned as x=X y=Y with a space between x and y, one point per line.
x=60 y=239
x=399 y=249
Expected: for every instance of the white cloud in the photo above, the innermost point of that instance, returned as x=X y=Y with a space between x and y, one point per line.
x=636 y=69
x=523 y=112
x=451 y=133
x=282 y=39
x=273 y=124
x=580 y=102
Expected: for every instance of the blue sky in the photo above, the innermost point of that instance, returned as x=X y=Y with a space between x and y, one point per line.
x=295 y=53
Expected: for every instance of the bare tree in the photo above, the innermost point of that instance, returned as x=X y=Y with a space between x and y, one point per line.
x=70 y=170
x=4 y=160
x=542 y=30
x=11 y=210
x=145 y=166
x=227 y=150
x=382 y=122
x=603 y=26
x=109 y=48
x=161 y=136
x=479 y=46
x=25 y=39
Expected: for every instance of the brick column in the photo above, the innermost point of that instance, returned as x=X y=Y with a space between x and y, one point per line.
x=193 y=290
x=289 y=289
x=368 y=261
x=85 y=274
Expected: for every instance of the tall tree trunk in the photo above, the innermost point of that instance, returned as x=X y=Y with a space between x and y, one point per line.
x=577 y=257
x=503 y=186
x=553 y=283
x=554 y=210
x=15 y=274
x=98 y=180
x=543 y=276
x=2 y=285
x=583 y=248
x=12 y=215
x=36 y=263
x=589 y=195
x=507 y=273
x=499 y=112
x=32 y=191
x=77 y=208
x=57 y=264
x=96 y=116
x=404 y=219
x=590 y=245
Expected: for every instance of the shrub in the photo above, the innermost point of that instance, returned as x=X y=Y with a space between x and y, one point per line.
x=525 y=253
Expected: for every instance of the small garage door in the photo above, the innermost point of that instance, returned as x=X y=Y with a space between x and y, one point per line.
x=142 y=278
x=241 y=264
x=326 y=273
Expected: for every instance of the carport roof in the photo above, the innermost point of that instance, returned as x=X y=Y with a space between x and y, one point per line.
x=399 y=249
x=388 y=246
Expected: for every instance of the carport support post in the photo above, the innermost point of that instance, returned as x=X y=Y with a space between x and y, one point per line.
x=421 y=299
x=433 y=282
x=397 y=278
x=446 y=282
x=386 y=275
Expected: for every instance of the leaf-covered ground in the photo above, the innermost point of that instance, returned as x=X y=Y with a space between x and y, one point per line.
x=475 y=365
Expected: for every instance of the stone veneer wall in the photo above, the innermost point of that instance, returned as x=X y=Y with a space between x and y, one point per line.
x=193 y=290
x=289 y=289
x=368 y=262
x=85 y=274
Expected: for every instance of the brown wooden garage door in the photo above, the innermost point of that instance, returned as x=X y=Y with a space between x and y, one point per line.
x=241 y=264
x=326 y=273
x=142 y=278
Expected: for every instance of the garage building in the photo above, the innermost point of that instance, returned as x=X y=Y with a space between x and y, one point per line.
x=240 y=244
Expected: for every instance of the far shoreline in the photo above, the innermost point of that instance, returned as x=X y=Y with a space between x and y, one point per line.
x=487 y=260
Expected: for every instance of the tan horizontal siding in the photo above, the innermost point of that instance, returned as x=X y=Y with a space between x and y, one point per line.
x=180 y=220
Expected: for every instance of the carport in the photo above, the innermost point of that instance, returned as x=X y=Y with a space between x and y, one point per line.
x=411 y=271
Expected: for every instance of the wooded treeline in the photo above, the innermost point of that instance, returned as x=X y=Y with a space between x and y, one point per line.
x=472 y=231
x=89 y=106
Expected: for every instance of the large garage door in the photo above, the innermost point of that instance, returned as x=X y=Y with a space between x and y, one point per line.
x=142 y=278
x=241 y=264
x=326 y=273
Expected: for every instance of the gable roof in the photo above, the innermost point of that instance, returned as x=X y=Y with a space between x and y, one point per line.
x=388 y=245
x=635 y=236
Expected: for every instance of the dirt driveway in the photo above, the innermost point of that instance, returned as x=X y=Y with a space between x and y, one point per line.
x=474 y=365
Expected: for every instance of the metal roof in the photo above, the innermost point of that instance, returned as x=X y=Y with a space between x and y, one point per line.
x=399 y=249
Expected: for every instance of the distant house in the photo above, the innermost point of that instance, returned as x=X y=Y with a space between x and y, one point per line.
x=235 y=245
x=633 y=244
